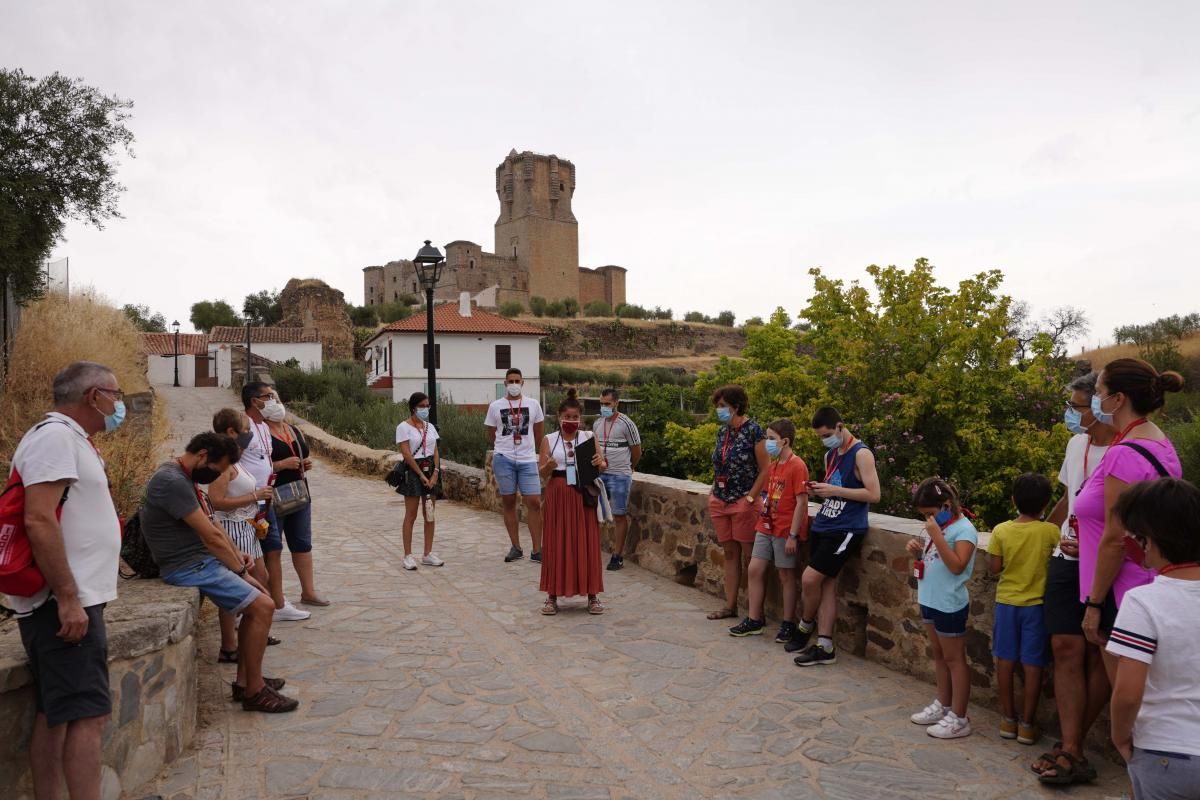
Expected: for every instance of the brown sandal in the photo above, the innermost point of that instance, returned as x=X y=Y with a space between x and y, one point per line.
x=595 y=607
x=1077 y=770
x=1048 y=759
x=269 y=701
x=239 y=692
x=550 y=607
x=723 y=613
x=227 y=656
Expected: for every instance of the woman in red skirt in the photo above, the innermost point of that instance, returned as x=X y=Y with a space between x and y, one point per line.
x=571 y=560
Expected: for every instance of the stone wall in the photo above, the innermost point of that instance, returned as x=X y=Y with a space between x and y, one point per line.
x=152 y=671
x=313 y=303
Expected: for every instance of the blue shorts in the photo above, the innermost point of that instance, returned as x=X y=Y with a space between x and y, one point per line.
x=216 y=582
x=511 y=475
x=951 y=626
x=296 y=528
x=1019 y=634
x=617 y=486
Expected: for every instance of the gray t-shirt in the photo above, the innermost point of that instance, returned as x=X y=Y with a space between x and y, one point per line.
x=171 y=496
x=614 y=437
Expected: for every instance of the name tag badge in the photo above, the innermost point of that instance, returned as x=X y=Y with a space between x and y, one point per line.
x=766 y=524
x=919 y=570
x=516 y=438
x=571 y=476
x=721 y=482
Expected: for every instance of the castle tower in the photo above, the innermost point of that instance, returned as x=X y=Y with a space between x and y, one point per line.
x=536 y=225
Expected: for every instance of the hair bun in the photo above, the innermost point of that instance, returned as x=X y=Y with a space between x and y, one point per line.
x=572 y=393
x=1169 y=381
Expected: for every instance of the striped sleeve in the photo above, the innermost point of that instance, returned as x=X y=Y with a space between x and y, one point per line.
x=631 y=433
x=1134 y=635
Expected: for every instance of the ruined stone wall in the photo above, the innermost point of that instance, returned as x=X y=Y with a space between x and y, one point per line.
x=315 y=304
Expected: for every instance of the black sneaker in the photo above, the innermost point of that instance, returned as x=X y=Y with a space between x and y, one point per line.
x=536 y=557
x=799 y=640
x=747 y=627
x=786 y=631
x=616 y=562
x=814 y=654
x=514 y=554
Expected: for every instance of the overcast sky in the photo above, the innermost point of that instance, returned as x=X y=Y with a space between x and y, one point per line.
x=722 y=148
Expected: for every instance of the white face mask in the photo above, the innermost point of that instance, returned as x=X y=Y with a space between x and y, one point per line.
x=513 y=389
x=274 y=411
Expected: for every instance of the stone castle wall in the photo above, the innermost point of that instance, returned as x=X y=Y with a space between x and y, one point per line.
x=606 y=284
x=315 y=304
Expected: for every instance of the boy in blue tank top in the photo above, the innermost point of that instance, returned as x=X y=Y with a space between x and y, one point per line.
x=849 y=486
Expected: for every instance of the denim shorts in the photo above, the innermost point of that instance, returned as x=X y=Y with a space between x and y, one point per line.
x=951 y=626
x=617 y=486
x=296 y=528
x=1019 y=634
x=1155 y=773
x=512 y=475
x=216 y=582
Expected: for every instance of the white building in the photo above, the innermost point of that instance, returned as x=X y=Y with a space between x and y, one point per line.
x=196 y=367
x=472 y=351
x=277 y=344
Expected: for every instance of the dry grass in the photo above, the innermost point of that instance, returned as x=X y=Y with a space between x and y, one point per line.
x=56 y=331
x=1189 y=347
x=690 y=364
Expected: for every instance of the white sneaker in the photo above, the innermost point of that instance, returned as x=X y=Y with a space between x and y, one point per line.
x=432 y=560
x=289 y=613
x=932 y=714
x=951 y=726
x=410 y=561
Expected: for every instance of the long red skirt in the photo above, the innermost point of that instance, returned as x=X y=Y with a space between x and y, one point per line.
x=571 y=560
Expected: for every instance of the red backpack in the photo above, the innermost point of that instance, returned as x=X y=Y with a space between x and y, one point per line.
x=19 y=575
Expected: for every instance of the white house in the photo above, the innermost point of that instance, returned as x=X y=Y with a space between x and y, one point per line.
x=277 y=344
x=195 y=366
x=472 y=351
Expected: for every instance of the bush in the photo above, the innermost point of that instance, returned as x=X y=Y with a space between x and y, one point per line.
x=511 y=309
x=676 y=376
x=537 y=306
x=725 y=318
x=1186 y=438
x=363 y=316
x=694 y=316
x=570 y=307
x=628 y=311
x=393 y=312
x=556 y=309
x=597 y=308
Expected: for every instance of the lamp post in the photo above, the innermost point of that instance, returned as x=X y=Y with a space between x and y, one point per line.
x=429 y=263
x=175 y=327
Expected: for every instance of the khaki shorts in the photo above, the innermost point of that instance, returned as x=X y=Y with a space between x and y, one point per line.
x=774 y=549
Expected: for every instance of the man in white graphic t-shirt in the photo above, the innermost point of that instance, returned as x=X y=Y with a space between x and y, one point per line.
x=514 y=429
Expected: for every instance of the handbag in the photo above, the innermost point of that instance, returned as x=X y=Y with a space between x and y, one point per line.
x=292 y=497
x=134 y=551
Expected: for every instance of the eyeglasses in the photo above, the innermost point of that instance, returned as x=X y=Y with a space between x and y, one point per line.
x=114 y=394
x=265 y=397
x=1079 y=406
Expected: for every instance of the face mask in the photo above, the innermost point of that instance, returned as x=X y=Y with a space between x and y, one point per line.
x=244 y=439
x=606 y=412
x=832 y=440
x=423 y=413
x=205 y=475
x=1074 y=420
x=774 y=447
x=113 y=421
x=513 y=389
x=943 y=516
x=1098 y=411
x=724 y=413
x=569 y=428
x=274 y=411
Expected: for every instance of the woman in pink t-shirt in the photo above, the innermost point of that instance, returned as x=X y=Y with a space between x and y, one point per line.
x=1127 y=391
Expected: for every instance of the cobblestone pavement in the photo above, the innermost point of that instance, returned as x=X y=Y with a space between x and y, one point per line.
x=449 y=683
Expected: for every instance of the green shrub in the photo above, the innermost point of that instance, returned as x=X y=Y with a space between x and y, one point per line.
x=597 y=308
x=570 y=307
x=511 y=309
x=537 y=306
x=393 y=312
x=556 y=309
x=694 y=316
x=676 y=376
x=629 y=311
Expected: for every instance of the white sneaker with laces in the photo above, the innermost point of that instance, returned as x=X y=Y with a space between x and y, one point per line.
x=951 y=726
x=289 y=613
x=432 y=560
x=931 y=715
x=410 y=561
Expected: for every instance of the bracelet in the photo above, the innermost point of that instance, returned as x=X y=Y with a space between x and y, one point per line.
x=240 y=573
x=1089 y=604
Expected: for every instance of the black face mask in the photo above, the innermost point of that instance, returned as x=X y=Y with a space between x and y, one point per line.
x=205 y=475
x=244 y=440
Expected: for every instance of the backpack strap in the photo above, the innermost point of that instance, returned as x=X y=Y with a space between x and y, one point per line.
x=1146 y=454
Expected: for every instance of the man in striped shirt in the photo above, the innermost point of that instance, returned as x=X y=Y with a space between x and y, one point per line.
x=621 y=445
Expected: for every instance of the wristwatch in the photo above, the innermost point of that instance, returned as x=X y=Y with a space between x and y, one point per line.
x=241 y=572
x=1088 y=602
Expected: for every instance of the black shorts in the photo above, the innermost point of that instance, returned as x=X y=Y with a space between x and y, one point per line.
x=830 y=550
x=70 y=681
x=1061 y=607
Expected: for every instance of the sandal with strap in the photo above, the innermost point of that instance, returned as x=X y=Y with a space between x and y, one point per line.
x=269 y=701
x=1046 y=760
x=1077 y=770
x=227 y=656
x=271 y=640
x=549 y=608
x=595 y=607
x=239 y=692
x=723 y=613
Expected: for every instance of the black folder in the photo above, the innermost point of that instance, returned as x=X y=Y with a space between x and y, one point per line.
x=585 y=471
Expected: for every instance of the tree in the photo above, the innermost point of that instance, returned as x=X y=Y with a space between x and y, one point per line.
x=262 y=309
x=537 y=305
x=570 y=306
x=362 y=316
x=143 y=320
x=59 y=144
x=393 y=312
x=696 y=316
x=556 y=309
x=597 y=308
x=726 y=318
x=1060 y=326
x=511 y=309
x=208 y=314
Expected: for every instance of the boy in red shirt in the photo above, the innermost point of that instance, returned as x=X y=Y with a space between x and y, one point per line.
x=782 y=524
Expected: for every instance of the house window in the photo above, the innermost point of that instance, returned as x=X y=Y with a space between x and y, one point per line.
x=503 y=356
x=437 y=356
x=385 y=359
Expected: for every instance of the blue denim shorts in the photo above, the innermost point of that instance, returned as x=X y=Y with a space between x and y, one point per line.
x=617 y=486
x=1019 y=634
x=950 y=625
x=512 y=475
x=296 y=528
x=1155 y=773
x=216 y=582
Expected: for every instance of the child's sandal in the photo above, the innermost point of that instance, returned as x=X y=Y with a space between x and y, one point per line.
x=549 y=608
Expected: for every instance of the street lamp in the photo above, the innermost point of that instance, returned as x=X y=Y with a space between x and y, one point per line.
x=175 y=327
x=429 y=263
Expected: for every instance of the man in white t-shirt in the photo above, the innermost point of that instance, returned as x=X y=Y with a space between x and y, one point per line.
x=514 y=429
x=62 y=626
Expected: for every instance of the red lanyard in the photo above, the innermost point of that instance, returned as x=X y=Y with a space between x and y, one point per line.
x=606 y=429
x=1120 y=436
x=768 y=505
x=832 y=467
x=201 y=496
x=424 y=435
x=929 y=544
x=568 y=458
x=730 y=434
x=517 y=417
x=1176 y=567
x=266 y=440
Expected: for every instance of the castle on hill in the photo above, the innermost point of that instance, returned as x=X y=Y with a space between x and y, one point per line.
x=536 y=253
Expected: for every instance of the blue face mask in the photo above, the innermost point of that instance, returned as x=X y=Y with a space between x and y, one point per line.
x=1098 y=411
x=774 y=447
x=606 y=411
x=113 y=421
x=832 y=440
x=724 y=413
x=423 y=413
x=1074 y=420
x=943 y=516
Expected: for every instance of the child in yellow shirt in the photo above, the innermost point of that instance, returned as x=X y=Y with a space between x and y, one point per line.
x=1019 y=552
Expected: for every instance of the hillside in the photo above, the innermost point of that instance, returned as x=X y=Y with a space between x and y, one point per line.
x=1189 y=348
x=607 y=343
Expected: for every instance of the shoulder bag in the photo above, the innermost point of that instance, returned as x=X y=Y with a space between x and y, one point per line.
x=292 y=497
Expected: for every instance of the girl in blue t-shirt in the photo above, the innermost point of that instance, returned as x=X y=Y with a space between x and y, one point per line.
x=945 y=559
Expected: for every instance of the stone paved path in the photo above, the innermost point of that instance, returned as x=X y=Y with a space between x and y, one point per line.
x=448 y=683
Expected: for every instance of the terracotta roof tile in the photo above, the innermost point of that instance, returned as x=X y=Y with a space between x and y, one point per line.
x=163 y=344
x=223 y=334
x=446 y=319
